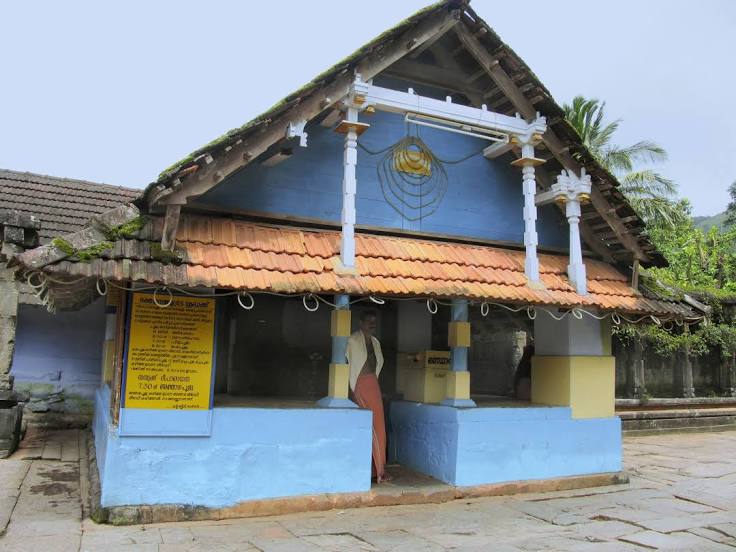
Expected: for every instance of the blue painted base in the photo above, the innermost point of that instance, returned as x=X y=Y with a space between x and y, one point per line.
x=476 y=446
x=252 y=453
x=332 y=402
x=459 y=403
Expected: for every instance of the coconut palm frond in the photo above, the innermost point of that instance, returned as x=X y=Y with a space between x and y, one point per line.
x=648 y=191
x=657 y=211
x=648 y=183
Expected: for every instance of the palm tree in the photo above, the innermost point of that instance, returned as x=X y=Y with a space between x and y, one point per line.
x=649 y=193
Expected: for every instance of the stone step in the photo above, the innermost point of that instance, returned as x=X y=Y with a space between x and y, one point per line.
x=658 y=423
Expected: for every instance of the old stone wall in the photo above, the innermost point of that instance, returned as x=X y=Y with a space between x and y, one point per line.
x=8 y=316
x=641 y=370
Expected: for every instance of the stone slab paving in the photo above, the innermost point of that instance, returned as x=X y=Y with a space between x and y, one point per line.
x=682 y=496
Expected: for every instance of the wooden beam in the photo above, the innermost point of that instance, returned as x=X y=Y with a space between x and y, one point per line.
x=171 y=223
x=427 y=44
x=116 y=385
x=309 y=107
x=553 y=142
x=432 y=75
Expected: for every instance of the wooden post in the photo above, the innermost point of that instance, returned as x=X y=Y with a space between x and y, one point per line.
x=117 y=379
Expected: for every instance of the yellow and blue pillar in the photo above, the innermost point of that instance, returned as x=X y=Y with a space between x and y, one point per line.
x=339 y=378
x=458 y=338
x=573 y=365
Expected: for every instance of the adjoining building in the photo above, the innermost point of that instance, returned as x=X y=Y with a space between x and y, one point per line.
x=56 y=359
x=429 y=176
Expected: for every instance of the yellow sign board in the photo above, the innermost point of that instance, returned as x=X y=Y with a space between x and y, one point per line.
x=170 y=351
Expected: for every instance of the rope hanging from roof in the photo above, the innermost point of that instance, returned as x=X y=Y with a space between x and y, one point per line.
x=39 y=281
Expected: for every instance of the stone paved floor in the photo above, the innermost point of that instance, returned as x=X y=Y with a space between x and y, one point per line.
x=682 y=496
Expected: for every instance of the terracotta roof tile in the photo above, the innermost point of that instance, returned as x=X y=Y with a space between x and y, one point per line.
x=63 y=205
x=248 y=256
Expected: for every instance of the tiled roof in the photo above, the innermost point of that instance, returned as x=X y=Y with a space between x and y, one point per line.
x=63 y=205
x=227 y=253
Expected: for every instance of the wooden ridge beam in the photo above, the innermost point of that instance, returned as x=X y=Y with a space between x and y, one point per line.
x=553 y=142
x=381 y=58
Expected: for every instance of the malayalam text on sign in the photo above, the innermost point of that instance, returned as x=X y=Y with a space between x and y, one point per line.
x=169 y=361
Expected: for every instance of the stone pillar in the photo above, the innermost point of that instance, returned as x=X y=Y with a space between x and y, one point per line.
x=635 y=381
x=728 y=375
x=8 y=315
x=339 y=378
x=17 y=231
x=458 y=337
x=684 y=374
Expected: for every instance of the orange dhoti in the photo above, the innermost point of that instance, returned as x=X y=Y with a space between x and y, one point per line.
x=368 y=395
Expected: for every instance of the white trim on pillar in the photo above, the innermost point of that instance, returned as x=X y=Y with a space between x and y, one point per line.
x=501 y=129
x=349 y=188
x=572 y=191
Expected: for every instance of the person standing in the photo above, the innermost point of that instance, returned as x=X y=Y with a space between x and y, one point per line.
x=366 y=360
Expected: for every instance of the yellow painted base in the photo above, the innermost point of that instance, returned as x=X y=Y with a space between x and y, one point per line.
x=458 y=385
x=340 y=323
x=423 y=377
x=584 y=383
x=339 y=381
x=458 y=334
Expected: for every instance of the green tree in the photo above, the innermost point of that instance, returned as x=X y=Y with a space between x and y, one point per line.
x=731 y=209
x=698 y=260
x=651 y=194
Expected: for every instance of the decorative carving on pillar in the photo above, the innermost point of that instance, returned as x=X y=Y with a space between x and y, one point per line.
x=527 y=162
x=571 y=190
x=351 y=128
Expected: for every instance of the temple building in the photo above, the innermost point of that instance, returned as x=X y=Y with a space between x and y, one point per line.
x=429 y=178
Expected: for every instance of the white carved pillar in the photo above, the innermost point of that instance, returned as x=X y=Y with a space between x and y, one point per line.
x=349 y=186
x=351 y=128
x=527 y=162
x=571 y=191
x=576 y=268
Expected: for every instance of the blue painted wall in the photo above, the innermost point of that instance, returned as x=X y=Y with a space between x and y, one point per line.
x=60 y=353
x=252 y=453
x=483 y=200
x=477 y=446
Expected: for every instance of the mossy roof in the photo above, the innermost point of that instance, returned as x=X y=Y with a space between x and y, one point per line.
x=317 y=82
x=548 y=105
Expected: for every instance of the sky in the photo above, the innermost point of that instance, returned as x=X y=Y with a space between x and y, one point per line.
x=117 y=91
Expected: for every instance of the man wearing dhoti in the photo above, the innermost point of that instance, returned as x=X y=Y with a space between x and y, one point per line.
x=366 y=360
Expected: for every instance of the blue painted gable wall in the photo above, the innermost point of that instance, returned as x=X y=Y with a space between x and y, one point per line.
x=483 y=200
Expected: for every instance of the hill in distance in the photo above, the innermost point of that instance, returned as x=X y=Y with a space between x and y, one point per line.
x=705 y=223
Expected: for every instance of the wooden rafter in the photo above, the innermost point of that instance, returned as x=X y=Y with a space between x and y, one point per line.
x=431 y=75
x=312 y=105
x=526 y=108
